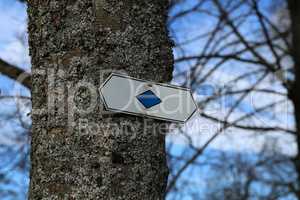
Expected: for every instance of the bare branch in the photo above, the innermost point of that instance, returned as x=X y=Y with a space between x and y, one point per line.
x=15 y=73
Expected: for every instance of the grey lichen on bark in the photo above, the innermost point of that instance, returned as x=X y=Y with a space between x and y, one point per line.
x=80 y=151
x=105 y=18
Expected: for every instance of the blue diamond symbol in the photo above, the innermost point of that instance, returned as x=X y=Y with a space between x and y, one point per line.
x=148 y=99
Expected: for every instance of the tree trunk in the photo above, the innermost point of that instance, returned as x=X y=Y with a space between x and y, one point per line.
x=79 y=150
x=294 y=93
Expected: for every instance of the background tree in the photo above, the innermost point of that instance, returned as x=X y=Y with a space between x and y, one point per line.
x=294 y=96
x=237 y=57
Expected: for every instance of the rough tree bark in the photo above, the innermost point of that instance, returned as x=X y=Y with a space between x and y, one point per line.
x=73 y=43
x=294 y=93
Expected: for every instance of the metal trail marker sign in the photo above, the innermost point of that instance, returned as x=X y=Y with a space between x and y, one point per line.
x=121 y=93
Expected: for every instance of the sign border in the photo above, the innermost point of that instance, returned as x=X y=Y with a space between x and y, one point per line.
x=145 y=115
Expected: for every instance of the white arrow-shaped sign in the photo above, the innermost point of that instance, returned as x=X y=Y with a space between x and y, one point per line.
x=134 y=96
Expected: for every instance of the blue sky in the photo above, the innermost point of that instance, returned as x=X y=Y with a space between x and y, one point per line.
x=13 y=49
x=13 y=41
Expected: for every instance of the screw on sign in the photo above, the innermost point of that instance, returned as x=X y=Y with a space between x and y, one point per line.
x=121 y=93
